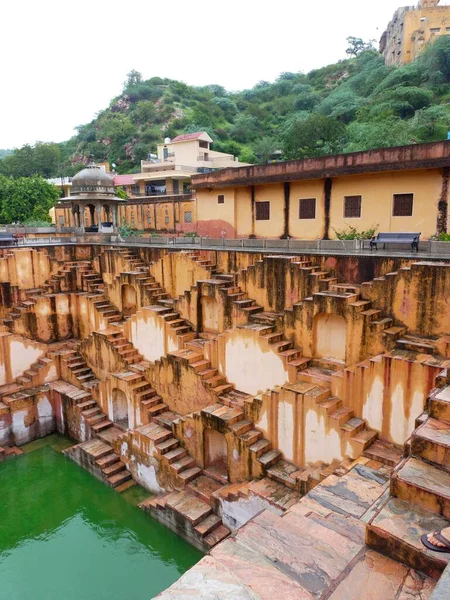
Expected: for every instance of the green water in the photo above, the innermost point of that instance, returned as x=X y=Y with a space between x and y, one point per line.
x=64 y=535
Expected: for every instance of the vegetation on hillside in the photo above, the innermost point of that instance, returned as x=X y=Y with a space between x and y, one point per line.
x=356 y=104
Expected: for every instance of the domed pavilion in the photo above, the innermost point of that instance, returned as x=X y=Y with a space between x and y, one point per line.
x=93 y=204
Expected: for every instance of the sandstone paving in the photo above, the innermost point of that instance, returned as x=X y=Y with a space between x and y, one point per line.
x=397 y=529
x=312 y=554
x=427 y=484
x=375 y=576
x=234 y=572
x=354 y=493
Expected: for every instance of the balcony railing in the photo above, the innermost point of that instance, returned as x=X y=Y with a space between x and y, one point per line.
x=149 y=194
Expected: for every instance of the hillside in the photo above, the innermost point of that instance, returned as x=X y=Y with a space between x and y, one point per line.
x=356 y=104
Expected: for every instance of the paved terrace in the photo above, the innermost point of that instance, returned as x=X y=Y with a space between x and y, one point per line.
x=428 y=250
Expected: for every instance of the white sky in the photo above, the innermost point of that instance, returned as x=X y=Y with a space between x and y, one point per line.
x=63 y=60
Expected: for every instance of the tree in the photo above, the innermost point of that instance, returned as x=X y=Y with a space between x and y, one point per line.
x=315 y=136
x=26 y=198
x=133 y=78
x=42 y=159
x=264 y=149
x=380 y=134
x=357 y=45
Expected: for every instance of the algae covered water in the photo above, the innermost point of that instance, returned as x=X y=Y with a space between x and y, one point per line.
x=65 y=535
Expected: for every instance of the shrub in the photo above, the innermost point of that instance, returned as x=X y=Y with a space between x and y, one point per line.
x=352 y=233
x=126 y=230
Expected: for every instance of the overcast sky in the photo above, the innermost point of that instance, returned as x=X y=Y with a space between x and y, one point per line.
x=62 y=60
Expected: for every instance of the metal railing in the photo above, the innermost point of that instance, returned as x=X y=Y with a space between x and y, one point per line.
x=432 y=248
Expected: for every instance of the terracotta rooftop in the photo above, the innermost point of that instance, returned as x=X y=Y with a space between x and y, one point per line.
x=124 y=180
x=188 y=136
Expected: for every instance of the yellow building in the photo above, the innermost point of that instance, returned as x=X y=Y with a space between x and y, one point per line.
x=412 y=28
x=403 y=189
x=160 y=196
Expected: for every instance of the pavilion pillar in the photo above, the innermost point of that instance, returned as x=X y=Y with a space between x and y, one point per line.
x=98 y=210
x=114 y=216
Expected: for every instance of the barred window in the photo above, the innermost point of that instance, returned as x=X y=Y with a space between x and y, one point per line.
x=220 y=199
x=352 y=207
x=307 y=208
x=263 y=211
x=188 y=216
x=166 y=220
x=149 y=217
x=403 y=205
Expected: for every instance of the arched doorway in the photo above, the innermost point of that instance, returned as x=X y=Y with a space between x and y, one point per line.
x=215 y=453
x=128 y=300
x=210 y=314
x=330 y=332
x=120 y=407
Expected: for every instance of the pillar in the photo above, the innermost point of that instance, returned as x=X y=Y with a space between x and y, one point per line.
x=114 y=216
x=98 y=210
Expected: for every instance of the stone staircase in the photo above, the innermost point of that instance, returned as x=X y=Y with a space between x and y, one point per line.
x=189 y=509
x=81 y=374
x=190 y=517
x=419 y=501
x=32 y=376
x=132 y=258
x=98 y=457
x=125 y=349
x=108 y=312
x=144 y=396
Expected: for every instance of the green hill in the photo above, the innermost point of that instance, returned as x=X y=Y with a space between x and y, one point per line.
x=356 y=104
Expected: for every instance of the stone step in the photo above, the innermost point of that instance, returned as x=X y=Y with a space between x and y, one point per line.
x=167 y=446
x=341 y=415
x=396 y=531
x=91 y=412
x=439 y=405
x=113 y=469
x=422 y=484
x=431 y=442
x=249 y=438
x=189 y=474
x=96 y=449
x=125 y=486
x=223 y=389
x=268 y=459
x=413 y=343
x=176 y=454
x=119 y=478
x=189 y=506
x=353 y=425
x=216 y=536
x=96 y=417
x=208 y=525
x=87 y=404
x=204 y=487
x=384 y=452
x=364 y=438
x=157 y=409
x=330 y=405
x=107 y=460
x=181 y=464
x=101 y=426
x=261 y=447
x=241 y=427
x=282 y=472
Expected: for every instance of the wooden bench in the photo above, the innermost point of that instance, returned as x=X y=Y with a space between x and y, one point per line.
x=7 y=239
x=396 y=238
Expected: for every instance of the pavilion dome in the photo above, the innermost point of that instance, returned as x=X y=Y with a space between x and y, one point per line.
x=93 y=180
